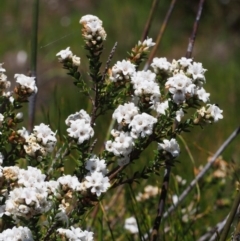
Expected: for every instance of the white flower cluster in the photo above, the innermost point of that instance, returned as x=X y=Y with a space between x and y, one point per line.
x=67 y=54
x=122 y=70
x=41 y=142
x=125 y=113
x=121 y=146
x=142 y=125
x=211 y=113
x=144 y=84
x=16 y=234
x=96 y=179
x=31 y=194
x=186 y=79
x=170 y=146
x=92 y=29
x=138 y=125
x=80 y=126
x=26 y=83
x=146 y=44
x=4 y=83
x=75 y=234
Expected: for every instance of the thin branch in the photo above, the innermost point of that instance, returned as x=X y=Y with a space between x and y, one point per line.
x=160 y=34
x=161 y=204
x=109 y=61
x=195 y=28
x=213 y=232
x=34 y=43
x=149 y=21
x=230 y=218
x=203 y=172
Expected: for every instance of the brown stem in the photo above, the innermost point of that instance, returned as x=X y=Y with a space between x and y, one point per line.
x=195 y=28
x=160 y=34
x=109 y=61
x=161 y=204
x=230 y=218
x=149 y=21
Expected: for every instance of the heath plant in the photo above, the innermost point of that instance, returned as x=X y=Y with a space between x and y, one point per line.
x=39 y=201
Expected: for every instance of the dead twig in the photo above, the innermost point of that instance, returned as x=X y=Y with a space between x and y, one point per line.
x=160 y=34
x=195 y=28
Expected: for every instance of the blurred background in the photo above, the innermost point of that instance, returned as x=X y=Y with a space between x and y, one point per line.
x=217 y=46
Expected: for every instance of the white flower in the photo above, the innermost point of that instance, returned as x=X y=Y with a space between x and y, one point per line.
x=214 y=111
x=160 y=107
x=89 y=19
x=69 y=182
x=179 y=115
x=180 y=85
x=170 y=146
x=16 y=234
x=65 y=54
x=202 y=95
x=124 y=113
x=28 y=201
x=142 y=125
x=122 y=145
x=26 y=82
x=30 y=177
x=76 y=234
x=131 y=225
x=95 y=164
x=185 y=62
x=76 y=60
x=97 y=182
x=44 y=134
x=92 y=28
x=41 y=142
x=197 y=71
x=122 y=70
x=82 y=114
x=160 y=64
x=147 y=43
x=80 y=130
x=23 y=132
x=144 y=83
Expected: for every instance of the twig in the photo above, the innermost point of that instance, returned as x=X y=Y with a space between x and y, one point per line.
x=213 y=233
x=150 y=18
x=160 y=34
x=230 y=218
x=202 y=173
x=161 y=204
x=194 y=32
x=34 y=43
x=50 y=231
x=109 y=61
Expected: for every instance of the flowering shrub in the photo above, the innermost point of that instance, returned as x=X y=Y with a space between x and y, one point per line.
x=38 y=200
